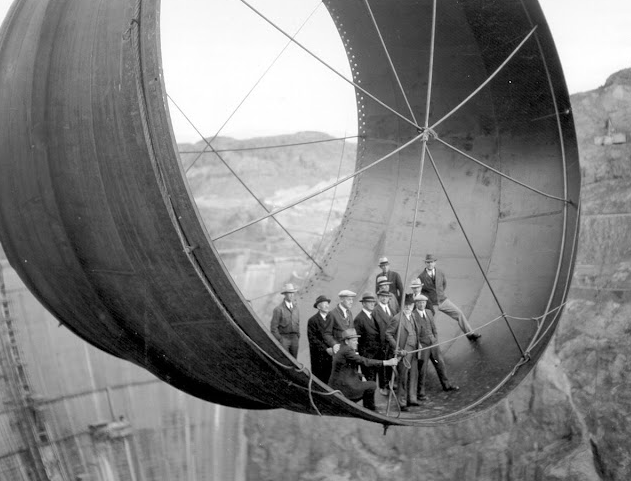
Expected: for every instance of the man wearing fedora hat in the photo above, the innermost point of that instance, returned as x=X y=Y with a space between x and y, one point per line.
x=416 y=287
x=383 y=284
x=428 y=338
x=434 y=285
x=321 y=353
x=339 y=319
x=372 y=341
x=403 y=336
x=344 y=375
x=285 y=325
x=396 y=284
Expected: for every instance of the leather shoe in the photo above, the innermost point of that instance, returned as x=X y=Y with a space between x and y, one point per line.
x=404 y=409
x=474 y=336
x=453 y=387
x=423 y=397
x=413 y=403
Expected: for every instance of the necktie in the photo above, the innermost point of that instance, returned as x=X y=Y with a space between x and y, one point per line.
x=387 y=310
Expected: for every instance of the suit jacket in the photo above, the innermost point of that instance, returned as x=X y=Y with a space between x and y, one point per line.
x=320 y=359
x=285 y=321
x=434 y=289
x=344 y=375
x=391 y=332
x=397 y=284
x=372 y=343
x=335 y=324
x=428 y=334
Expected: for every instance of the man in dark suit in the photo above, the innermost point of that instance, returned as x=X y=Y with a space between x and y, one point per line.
x=339 y=319
x=393 y=277
x=383 y=284
x=285 y=324
x=321 y=353
x=429 y=337
x=434 y=285
x=403 y=336
x=382 y=314
x=344 y=375
x=372 y=340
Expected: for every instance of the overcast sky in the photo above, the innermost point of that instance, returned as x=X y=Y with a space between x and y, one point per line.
x=215 y=50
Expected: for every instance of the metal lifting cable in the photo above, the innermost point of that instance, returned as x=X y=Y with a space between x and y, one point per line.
x=394 y=70
x=260 y=202
x=264 y=147
x=477 y=260
x=357 y=86
x=424 y=139
x=501 y=174
x=497 y=70
x=321 y=191
x=254 y=86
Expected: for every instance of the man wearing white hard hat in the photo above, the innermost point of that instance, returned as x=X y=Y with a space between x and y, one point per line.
x=285 y=325
x=339 y=319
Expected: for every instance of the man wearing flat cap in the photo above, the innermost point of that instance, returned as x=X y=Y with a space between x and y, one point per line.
x=428 y=338
x=372 y=341
x=344 y=375
x=339 y=319
x=393 y=277
x=285 y=325
x=434 y=285
x=321 y=353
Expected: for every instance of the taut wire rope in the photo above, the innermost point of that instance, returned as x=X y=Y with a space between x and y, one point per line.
x=475 y=256
x=253 y=87
x=501 y=174
x=424 y=138
x=392 y=67
x=275 y=146
x=242 y=182
x=321 y=191
x=332 y=69
x=485 y=83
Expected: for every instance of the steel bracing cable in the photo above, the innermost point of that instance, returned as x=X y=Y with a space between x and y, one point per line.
x=424 y=139
x=321 y=191
x=242 y=182
x=254 y=86
x=394 y=70
x=501 y=174
x=475 y=256
x=332 y=69
x=275 y=146
x=485 y=83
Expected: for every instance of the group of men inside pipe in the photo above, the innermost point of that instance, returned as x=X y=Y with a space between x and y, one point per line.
x=385 y=346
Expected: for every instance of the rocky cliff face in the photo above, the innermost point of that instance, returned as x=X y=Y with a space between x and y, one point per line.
x=569 y=420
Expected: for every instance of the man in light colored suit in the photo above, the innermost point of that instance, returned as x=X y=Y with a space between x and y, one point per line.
x=403 y=336
x=434 y=285
x=339 y=319
x=428 y=338
x=285 y=324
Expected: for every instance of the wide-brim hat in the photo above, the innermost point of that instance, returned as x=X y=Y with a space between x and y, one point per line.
x=319 y=300
x=383 y=280
x=346 y=293
x=383 y=292
x=368 y=297
x=409 y=299
x=416 y=283
x=383 y=260
x=420 y=297
x=288 y=288
x=349 y=334
x=430 y=258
